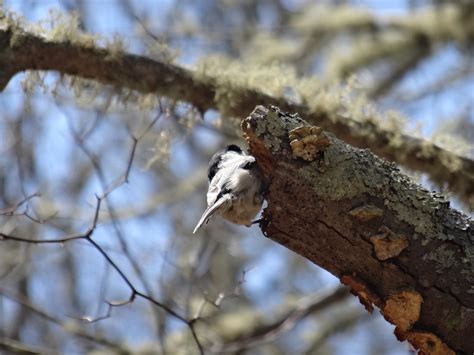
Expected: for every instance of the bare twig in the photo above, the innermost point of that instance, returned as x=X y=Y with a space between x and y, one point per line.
x=77 y=331
x=270 y=332
x=340 y=323
x=109 y=188
x=15 y=347
x=87 y=236
x=12 y=210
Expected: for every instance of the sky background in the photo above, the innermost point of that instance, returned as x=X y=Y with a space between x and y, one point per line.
x=152 y=234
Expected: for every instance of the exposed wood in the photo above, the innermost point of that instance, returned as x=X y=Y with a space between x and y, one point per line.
x=329 y=209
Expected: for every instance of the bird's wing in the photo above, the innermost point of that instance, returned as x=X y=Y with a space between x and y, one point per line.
x=210 y=210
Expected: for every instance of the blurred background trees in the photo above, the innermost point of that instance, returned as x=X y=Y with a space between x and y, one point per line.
x=406 y=66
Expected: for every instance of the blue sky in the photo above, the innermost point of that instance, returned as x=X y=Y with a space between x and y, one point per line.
x=55 y=152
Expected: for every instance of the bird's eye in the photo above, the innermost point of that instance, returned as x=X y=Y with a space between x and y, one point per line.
x=249 y=165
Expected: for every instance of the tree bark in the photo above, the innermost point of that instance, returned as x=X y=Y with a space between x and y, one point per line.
x=396 y=245
x=20 y=51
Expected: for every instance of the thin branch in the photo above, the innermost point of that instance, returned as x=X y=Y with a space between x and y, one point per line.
x=130 y=159
x=88 y=237
x=399 y=71
x=12 y=210
x=182 y=189
x=108 y=189
x=268 y=333
x=112 y=263
x=15 y=347
x=77 y=331
x=464 y=72
x=66 y=239
x=341 y=323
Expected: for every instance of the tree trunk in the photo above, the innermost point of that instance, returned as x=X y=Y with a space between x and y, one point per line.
x=396 y=245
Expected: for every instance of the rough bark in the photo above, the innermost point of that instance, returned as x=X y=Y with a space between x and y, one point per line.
x=396 y=245
x=20 y=51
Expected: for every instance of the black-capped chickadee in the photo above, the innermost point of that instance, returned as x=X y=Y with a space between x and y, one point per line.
x=235 y=187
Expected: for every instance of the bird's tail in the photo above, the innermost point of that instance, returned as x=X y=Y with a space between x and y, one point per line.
x=209 y=212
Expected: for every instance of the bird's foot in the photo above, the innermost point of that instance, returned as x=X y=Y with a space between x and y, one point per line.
x=256 y=221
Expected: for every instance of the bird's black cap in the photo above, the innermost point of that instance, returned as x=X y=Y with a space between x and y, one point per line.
x=233 y=148
x=216 y=159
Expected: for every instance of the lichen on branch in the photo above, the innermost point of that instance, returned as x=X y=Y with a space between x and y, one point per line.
x=235 y=89
x=397 y=245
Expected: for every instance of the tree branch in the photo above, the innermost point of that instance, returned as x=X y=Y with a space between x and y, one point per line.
x=87 y=236
x=67 y=327
x=20 y=51
x=11 y=346
x=396 y=245
x=270 y=332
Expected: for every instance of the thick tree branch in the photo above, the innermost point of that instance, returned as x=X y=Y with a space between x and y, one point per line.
x=20 y=51
x=395 y=244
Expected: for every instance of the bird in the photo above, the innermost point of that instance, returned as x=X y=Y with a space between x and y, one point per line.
x=235 y=187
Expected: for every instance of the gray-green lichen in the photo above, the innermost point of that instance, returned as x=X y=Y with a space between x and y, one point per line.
x=444 y=258
x=271 y=130
x=339 y=182
x=345 y=172
x=272 y=127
